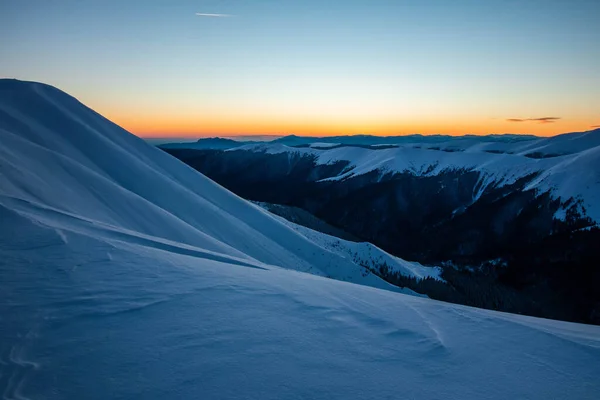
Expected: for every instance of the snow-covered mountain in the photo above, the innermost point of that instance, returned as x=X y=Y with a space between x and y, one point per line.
x=127 y=274
x=73 y=169
x=566 y=165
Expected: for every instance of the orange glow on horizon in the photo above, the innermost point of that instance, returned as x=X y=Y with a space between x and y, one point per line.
x=184 y=114
x=185 y=126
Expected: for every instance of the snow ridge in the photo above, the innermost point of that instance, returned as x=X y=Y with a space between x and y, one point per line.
x=59 y=154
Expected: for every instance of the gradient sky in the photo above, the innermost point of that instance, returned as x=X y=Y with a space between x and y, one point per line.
x=313 y=66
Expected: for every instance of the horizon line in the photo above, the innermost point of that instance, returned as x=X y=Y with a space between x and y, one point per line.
x=152 y=135
x=217 y=135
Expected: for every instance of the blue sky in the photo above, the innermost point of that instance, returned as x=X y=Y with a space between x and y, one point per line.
x=332 y=67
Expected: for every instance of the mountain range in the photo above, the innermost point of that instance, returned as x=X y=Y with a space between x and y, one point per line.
x=513 y=220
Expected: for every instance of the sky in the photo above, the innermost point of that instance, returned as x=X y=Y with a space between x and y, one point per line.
x=313 y=67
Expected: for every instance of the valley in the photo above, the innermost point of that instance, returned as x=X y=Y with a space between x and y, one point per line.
x=505 y=226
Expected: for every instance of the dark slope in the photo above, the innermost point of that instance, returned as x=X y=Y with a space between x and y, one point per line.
x=504 y=251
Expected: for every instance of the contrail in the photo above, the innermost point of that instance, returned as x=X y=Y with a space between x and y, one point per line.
x=213 y=15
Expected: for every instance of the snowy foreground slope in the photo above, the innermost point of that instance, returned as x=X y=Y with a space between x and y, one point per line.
x=127 y=275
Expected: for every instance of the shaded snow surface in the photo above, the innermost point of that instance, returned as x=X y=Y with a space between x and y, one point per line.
x=125 y=274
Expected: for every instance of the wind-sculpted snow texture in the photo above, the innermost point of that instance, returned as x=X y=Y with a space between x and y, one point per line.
x=126 y=274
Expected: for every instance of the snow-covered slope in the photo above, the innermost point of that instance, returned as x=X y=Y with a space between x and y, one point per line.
x=568 y=165
x=64 y=164
x=515 y=144
x=124 y=274
x=366 y=254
